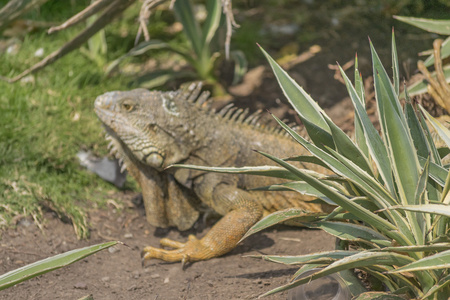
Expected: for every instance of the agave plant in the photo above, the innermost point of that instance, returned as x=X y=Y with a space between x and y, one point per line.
x=391 y=190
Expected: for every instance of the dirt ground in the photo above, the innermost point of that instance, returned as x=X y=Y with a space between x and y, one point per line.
x=117 y=273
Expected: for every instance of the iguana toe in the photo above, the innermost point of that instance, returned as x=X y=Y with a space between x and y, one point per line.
x=192 y=250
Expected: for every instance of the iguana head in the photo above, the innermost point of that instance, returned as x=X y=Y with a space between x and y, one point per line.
x=154 y=128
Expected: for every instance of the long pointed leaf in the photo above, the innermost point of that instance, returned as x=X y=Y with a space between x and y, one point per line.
x=345 y=146
x=303 y=104
x=185 y=14
x=353 y=232
x=376 y=221
x=444 y=282
x=376 y=145
x=432 y=25
x=49 y=264
x=358 y=260
x=270 y=171
x=282 y=216
x=214 y=9
x=320 y=257
x=395 y=70
x=439 y=209
x=440 y=260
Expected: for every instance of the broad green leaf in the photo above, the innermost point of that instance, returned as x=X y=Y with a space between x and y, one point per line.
x=443 y=132
x=49 y=264
x=186 y=16
x=303 y=104
x=281 y=216
x=318 y=136
x=444 y=282
x=270 y=171
x=431 y=25
x=352 y=232
x=401 y=149
x=361 y=259
x=374 y=141
x=214 y=9
x=298 y=186
x=320 y=257
x=439 y=209
x=440 y=260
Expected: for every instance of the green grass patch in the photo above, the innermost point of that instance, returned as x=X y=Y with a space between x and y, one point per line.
x=44 y=123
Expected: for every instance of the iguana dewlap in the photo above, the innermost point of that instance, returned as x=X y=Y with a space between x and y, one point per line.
x=152 y=130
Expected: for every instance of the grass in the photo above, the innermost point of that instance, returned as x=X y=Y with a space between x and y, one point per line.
x=45 y=122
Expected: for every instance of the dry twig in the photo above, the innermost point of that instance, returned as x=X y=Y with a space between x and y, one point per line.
x=114 y=9
x=438 y=87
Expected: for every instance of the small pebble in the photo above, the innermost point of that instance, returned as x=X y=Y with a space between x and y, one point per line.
x=24 y=222
x=132 y=288
x=39 y=52
x=80 y=286
x=113 y=250
x=166 y=280
x=155 y=276
x=128 y=235
x=105 y=279
x=135 y=274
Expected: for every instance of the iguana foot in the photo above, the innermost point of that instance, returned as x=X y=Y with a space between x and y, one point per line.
x=192 y=250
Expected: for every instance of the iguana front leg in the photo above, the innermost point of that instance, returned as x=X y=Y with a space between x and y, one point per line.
x=242 y=212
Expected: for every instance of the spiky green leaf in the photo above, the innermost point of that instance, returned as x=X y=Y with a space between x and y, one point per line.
x=49 y=264
x=431 y=25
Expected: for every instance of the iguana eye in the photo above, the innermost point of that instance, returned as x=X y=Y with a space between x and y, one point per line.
x=170 y=106
x=127 y=106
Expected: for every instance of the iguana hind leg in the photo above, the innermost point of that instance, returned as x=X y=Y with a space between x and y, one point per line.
x=242 y=213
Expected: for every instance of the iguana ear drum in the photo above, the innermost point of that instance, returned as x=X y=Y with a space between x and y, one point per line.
x=154 y=160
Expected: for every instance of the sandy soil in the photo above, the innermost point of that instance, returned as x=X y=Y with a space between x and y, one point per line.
x=117 y=273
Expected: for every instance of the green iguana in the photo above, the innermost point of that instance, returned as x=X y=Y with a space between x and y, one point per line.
x=152 y=130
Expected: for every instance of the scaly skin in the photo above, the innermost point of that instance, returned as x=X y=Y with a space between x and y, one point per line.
x=153 y=130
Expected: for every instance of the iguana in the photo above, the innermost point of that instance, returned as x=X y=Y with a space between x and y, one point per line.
x=151 y=130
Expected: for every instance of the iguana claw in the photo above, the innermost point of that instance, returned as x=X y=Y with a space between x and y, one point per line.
x=192 y=250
